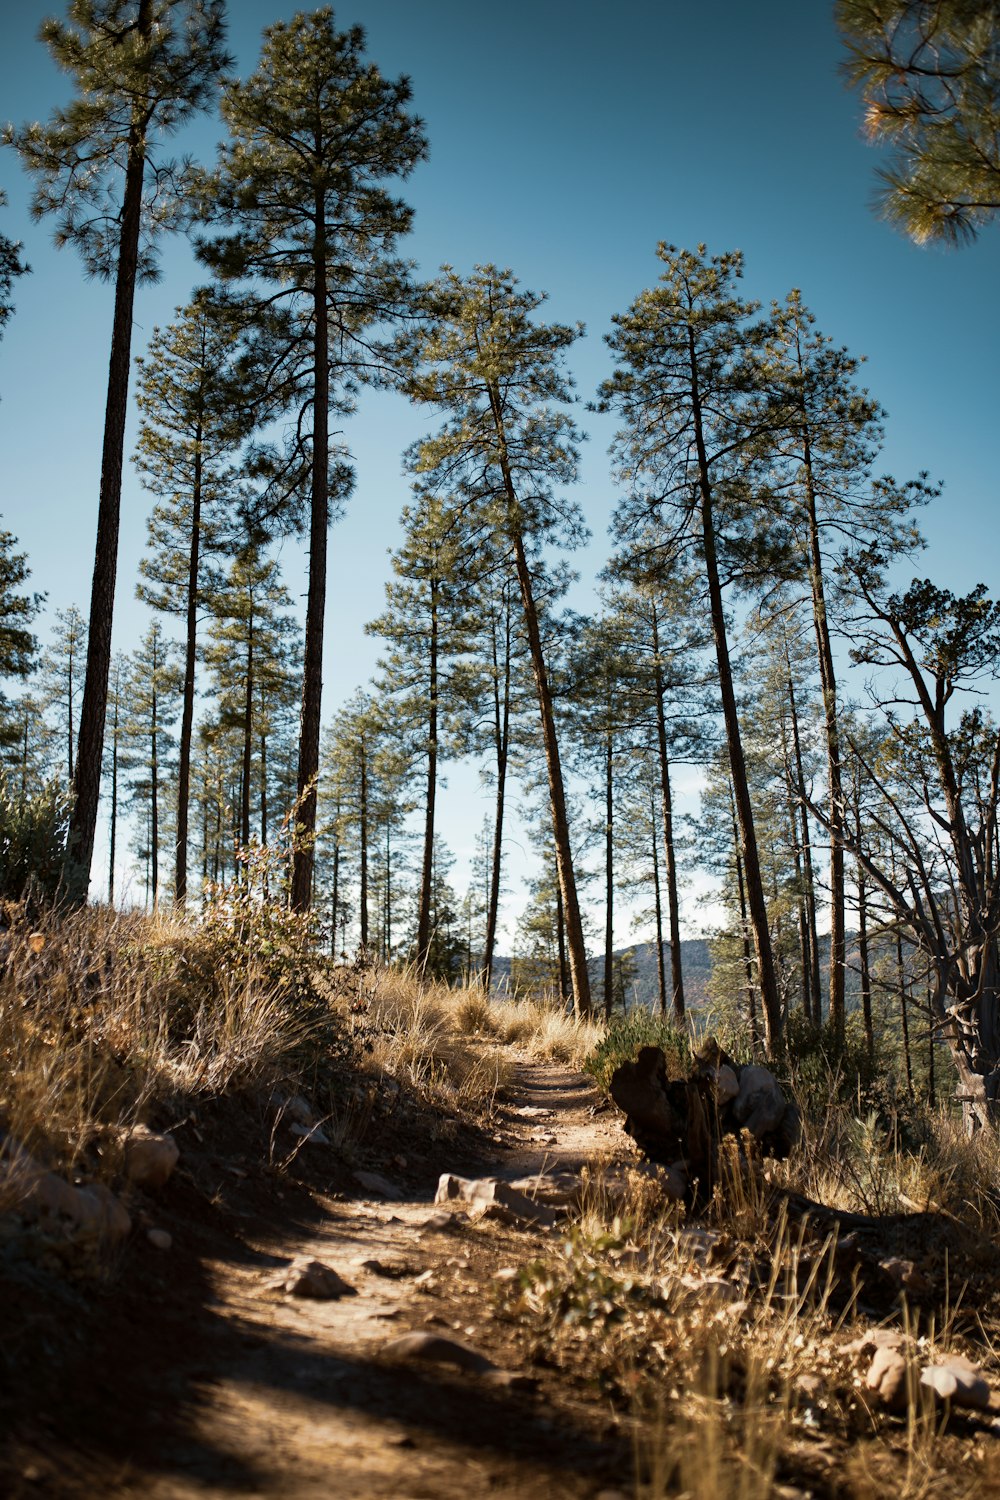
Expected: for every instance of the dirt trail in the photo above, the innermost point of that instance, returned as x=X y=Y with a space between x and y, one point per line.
x=264 y=1395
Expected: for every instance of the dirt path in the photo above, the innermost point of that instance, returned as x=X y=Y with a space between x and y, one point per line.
x=267 y=1395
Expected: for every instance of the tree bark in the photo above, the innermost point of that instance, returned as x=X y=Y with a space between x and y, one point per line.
x=363 y=840
x=427 y=872
x=807 y=862
x=770 y=999
x=319 y=525
x=661 y=973
x=670 y=856
x=247 y=770
x=501 y=726
x=609 y=876
x=90 y=746
x=828 y=683
x=190 y=667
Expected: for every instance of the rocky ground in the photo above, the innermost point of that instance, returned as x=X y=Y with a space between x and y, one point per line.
x=198 y=1369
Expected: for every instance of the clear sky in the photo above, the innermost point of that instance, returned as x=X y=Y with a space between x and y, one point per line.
x=566 y=138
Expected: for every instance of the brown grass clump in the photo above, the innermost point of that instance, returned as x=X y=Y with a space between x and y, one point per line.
x=105 y=1015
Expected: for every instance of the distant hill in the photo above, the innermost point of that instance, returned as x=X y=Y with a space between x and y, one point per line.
x=644 y=989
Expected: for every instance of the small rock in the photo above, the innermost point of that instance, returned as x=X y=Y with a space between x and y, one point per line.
x=959 y=1381
x=491 y=1198
x=887 y=1377
x=311 y=1278
x=876 y=1338
x=907 y=1276
x=432 y=1348
x=298 y=1109
x=760 y=1104
x=511 y=1380
x=311 y=1135
x=150 y=1157
x=442 y=1223
x=159 y=1238
x=392 y=1269
x=725 y=1085
x=374 y=1182
x=506 y=1273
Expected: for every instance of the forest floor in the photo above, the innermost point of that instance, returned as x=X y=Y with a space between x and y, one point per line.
x=186 y=1374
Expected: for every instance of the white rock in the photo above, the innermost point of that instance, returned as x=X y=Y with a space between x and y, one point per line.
x=159 y=1239
x=959 y=1381
x=760 y=1103
x=375 y=1183
x=500 y=1199
x=150 y=1157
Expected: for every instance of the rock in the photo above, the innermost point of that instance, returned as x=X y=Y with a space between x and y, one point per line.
x=760 y=1104
x=159 y=1238
x=887 y=1377
x=488 y=1197
x=311 y=1135
x=374 y=1182
x=311 y=1278
x=511 y=1380
x=433 y=1348
x=959 y=1381
x=392 y=1269
x=442 y=1223
x=150 y=1157
x=876 y=1338
x=562 y=1190
x=93 y=1209
x=725 y=1085
x=907 y=1276
x=299 y=1110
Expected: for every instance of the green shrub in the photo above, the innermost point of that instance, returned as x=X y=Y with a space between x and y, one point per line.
x=33 y=829
x=626 y=1035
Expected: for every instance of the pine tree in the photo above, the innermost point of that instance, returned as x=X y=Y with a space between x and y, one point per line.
x=252 y=654
x=824 y=445
x=687 y=352
x=426 y=625
x=17 y=643
x=11 y=266
x=929 y=73
x=153 y=690
x=142 y=68
x=497 y=376
x=315 y=132
x=191 y=423
x=62 y=677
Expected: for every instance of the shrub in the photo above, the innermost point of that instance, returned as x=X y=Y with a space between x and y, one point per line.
x=625 y=1036
x=33 y=830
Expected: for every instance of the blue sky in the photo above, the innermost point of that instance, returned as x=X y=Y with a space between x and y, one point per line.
x=566 y=138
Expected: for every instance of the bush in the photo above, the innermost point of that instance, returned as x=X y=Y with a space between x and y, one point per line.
x=33 y=831
x=626 y=1035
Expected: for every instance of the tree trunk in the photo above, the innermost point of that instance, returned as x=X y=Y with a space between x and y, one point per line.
x=661 y=973
x=190 y=667
x=427 y=872
x=557 y=794
x=113 y=832
x=247 y=770
x=745 y=930
x=609 y=876
x=770 y=998
x=673 y=900
x=334 y=898
x=805 y=945
x=319 y=523
x=363 y=840
x=579 y=977
x=828 y=682
x=154 y=793
x=501 y=731
x=90 y=746
x=807 y=863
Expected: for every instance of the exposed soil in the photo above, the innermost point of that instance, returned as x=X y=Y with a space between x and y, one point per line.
x=185 y=1375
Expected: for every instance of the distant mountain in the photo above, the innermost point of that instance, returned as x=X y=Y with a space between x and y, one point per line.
x=644 y=989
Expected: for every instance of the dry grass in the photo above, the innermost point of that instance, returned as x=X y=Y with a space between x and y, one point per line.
x=105 y=1015
x=728 y=1345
